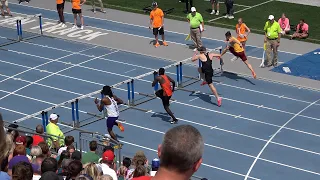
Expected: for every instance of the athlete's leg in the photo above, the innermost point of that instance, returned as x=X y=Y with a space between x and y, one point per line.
x=75 y=19
x=166 y=104
x=208 y=76
x=250 y=68
x=110 y=124
x=202 y=76
x=81 y=19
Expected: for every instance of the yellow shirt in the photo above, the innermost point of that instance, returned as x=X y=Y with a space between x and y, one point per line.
x=53 y=129
x=272 y=30
x=235 y=45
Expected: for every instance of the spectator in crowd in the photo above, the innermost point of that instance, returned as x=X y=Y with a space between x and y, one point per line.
x=8 y=149
x=68 y=140
x=124 y=168
x=13 y=131
x=2 y=140
x=64 y=155
x=284 y=24
x=19 y=150
x=196 y=27
x=50 y=165
x=38 y=160
x=180 y=154
x=50 y=176
x=107 y=148
x=138 y=159
x=140 y=171
x=242 y=31
x=53 y=129
x=272 y=39
x=35 y=152
x=213 y=4
x=29 y=142
x=302 y=31
x=108 y=163
x=22 y=171
x=230 y=10
x=91 y=170
x=36 y=138
x=74 y=169
x=21 y=140
x=91 y=156
x=5 y=154
x=106 y=177
x=4 y=169
x=45 y=149
x=64 y=167
x=84 y=177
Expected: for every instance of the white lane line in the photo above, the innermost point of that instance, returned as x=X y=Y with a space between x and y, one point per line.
x=193 y=99
x=218 y=111
x=129 y=71
x=260 y=92
x=274 y=135
x=245 y=9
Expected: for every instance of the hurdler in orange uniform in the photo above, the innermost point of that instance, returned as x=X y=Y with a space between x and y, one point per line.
x=60 y=9
x=242 y=31
x=166 y=92
x=76 y=10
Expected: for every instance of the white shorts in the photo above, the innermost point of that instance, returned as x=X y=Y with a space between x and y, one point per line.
x=4 y=2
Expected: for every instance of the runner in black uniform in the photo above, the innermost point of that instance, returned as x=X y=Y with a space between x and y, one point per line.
x=206 y=71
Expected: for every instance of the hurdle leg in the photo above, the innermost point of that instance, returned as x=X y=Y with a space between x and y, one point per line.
x=132 y=92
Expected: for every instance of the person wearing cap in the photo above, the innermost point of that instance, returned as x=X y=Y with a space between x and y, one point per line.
x=236 y=48
x=157 y=22
x=196 y=27
x=206 y=70
x=165 y=92
x=54 y=130
x=107 y=164
x=110 y=103
x=272 y=31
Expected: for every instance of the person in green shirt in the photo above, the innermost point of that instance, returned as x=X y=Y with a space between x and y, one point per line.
x=53 y=129
x=196 y=27
x=272 y=31
x=91 y=156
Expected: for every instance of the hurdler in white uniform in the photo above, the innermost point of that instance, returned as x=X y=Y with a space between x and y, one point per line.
x=110 y=103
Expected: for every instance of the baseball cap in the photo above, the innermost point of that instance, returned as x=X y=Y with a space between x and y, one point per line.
x=154 y=4
x=21 y=140
x=108 y=155
x=271 y=17
x=54 y=116
x=193 y=9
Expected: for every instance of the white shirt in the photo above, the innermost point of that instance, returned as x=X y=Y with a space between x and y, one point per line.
x=108 y=171
x=112 y=109
x=61 y=150
x=36 y=177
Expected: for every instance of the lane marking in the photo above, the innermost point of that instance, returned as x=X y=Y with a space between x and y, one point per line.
x=193 y=99
x=129 y=71
x=274 y=135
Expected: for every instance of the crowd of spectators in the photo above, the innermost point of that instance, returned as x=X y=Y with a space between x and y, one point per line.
x=26 y=157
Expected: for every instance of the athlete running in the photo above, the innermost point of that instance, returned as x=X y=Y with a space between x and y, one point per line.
x=235 y=47
x=206 y=71
x=110 y=103
x=166 y=92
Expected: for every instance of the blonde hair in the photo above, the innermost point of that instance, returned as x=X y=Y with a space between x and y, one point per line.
x=123 y=171
x=9 y=145
x=106 y=177
x=92 y=170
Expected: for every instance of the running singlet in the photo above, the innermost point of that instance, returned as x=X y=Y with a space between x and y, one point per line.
x=207 y=66
x=166 y=86
x=112 y=109
x=237 y=48
x=76 y=4
x=241 y=30
x=59 y=1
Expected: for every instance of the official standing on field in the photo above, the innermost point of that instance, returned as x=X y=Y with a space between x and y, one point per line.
x=196 y=27
x=272 y=39
x=156 y=23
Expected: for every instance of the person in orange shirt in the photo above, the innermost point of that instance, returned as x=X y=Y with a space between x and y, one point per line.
x=60 y=9
x=76 y=10
x=166 y=92
x=242 y=31
x=235 y=47
x=156 y=22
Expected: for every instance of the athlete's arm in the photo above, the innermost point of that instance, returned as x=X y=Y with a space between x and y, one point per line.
x=173 y=82
x=248 y=30
x=103 y=102
x=224 y=51
x=212 y=55
x=119 y=101
x=156 y=80
x=83 y=1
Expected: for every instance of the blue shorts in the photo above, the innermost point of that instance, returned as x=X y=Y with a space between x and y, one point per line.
x=111 y=121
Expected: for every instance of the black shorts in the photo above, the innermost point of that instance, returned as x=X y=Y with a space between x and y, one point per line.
x=165 y=99
x=208 y=76
x=76 y=11
x=157 y=31
x=60 y=6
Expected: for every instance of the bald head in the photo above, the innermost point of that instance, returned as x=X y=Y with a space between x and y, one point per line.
x=181 y=149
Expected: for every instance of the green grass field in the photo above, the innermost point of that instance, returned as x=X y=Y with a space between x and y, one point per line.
x=254 y=17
